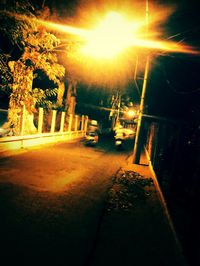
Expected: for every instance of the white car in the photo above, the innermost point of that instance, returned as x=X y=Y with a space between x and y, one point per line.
x=125 y=132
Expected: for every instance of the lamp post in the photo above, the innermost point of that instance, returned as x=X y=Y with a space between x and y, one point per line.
x=138 y=144
x=138 y=140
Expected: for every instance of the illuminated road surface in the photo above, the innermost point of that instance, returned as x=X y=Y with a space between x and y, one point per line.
x=51 y=200
x=60 y=167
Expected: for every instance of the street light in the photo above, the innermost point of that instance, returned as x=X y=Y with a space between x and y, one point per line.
x=131 y=113
x=111 y=37
x=105 y=37
x=137 y=144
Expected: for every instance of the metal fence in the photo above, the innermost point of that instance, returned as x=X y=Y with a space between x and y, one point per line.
x=174 y=151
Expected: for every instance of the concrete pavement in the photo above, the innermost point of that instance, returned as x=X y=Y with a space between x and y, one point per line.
x=140 y=234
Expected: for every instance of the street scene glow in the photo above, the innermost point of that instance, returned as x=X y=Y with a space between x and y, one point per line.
x=114 y=34
x=105 y=44
x=99 y=132
x=110 y=37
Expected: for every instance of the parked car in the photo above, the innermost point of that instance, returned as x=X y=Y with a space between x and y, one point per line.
x=91 y=138
x=127 y=133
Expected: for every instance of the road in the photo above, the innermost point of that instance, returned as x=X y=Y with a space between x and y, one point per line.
x=51 y=201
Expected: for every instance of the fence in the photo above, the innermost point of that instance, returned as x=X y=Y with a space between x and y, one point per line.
x=51 y=126
x=173 y=148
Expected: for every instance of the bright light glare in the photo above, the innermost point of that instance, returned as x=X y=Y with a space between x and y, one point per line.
x=113 y=35
x=110 y=37
x=131 y=113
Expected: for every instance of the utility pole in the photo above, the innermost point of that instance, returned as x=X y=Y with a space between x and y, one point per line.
x=138 y=141
x=118 y=106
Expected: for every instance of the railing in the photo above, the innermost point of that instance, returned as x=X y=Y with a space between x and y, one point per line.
x=49 y=127
x=173 y=148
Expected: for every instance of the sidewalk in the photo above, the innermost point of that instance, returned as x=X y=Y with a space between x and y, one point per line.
x=136 y=228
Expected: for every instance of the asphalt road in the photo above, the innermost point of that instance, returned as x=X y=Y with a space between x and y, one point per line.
x=51 y=200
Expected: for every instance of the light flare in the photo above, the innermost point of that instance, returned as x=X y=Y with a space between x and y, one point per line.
x=164 y=46
x=114 y=35
x=64 y=28
x=111 y=40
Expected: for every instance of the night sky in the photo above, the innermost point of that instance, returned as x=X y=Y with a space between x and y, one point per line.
x=174 y=83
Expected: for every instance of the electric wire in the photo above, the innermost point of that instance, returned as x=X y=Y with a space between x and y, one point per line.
x=137 y=87
x=169 y=83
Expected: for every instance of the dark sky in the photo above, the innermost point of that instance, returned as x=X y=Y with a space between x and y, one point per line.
x=174 y=83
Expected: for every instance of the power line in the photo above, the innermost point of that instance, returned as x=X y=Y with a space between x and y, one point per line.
x=173 y=88
x=184 y=32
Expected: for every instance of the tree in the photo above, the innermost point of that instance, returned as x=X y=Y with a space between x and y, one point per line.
x=5 y=75
x=36 y=49
x=71 y=96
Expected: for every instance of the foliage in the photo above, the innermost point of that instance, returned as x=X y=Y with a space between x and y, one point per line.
x=5 y=75
x=35 y=48
x=44 y=97
x=12 y=27
x=38 y=54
